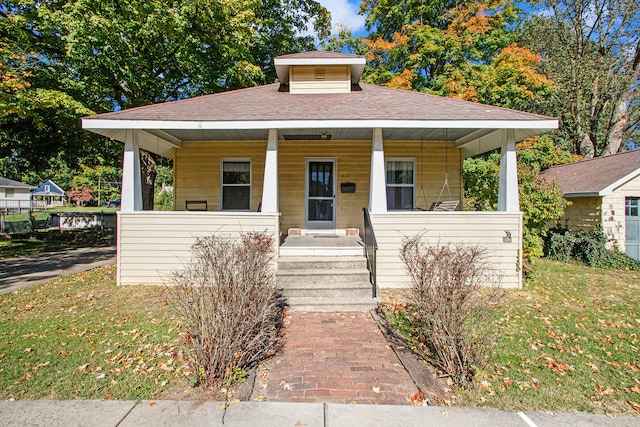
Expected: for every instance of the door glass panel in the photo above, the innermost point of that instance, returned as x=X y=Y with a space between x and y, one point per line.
x=320 y=210
x=321 y=179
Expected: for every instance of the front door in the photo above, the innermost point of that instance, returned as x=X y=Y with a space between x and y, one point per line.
x=320 y=206
x=632 y=240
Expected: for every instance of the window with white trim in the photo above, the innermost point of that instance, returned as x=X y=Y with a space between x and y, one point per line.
x=47 y=189
x=632 y=206
x=9 y=192
x=236 y=185
x=400 y=184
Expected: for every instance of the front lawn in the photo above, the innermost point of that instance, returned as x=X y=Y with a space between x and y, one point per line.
x=81 y=337
x=570 y=341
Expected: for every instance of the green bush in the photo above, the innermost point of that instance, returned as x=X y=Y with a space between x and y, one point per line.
x=588 y=248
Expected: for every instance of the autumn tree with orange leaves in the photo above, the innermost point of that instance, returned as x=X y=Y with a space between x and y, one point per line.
x=461 y=49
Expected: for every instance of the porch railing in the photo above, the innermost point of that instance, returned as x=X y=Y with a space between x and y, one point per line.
x=370 y=249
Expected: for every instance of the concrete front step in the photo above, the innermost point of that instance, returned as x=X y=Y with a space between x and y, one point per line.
x=320 y=276
x=336 y=290
x=311 y=251
x=324 y=262
x=329 y=304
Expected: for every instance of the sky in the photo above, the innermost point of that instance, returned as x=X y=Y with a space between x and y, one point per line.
x=345 y=12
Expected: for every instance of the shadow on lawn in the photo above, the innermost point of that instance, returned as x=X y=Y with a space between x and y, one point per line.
x=50 y=265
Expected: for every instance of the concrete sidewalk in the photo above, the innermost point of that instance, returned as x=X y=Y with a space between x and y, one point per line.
x=184 y=413
x=17 y=273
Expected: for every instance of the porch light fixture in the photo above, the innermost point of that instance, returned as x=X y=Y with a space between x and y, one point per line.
x=308 y=137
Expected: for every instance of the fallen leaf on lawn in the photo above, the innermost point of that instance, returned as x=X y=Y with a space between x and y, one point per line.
x=507 y=382
x=260 y=398
x=634 y=405
x=635 y=388
x=27 y=350
x=107 y=395
x=604 y=391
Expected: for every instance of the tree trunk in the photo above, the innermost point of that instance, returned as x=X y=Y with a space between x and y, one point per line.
x=148 y=170
x=586 y=146
x=618 y=125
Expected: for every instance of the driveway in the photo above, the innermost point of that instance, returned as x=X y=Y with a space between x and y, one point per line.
x=17 y=273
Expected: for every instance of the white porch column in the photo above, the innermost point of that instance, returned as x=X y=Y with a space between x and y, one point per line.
x=131 y=198
x=508 y=200
x=270 y=185
x=378 y=182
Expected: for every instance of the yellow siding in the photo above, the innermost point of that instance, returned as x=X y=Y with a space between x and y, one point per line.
x=584 y=213
x=353 y=160
x=152 y=245
x=433 y=161
x=197 y=171
x=310 y=79
x=197 y=174
x=485 y=229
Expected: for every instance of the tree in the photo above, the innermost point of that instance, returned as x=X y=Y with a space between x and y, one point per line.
x=541 y=202
x=115 y=55
x=591 y=50
x=462 y=49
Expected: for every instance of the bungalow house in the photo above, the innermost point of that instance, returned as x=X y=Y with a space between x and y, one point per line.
x=48 y=195
x=15 y=197
x=317 y=154
x=603 y=192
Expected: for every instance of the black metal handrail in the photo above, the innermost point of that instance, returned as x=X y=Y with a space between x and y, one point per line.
x=370 y=249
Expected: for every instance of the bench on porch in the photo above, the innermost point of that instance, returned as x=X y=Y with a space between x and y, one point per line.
x=196 y=205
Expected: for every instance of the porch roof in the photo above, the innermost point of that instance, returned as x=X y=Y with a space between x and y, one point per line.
x=248 y=114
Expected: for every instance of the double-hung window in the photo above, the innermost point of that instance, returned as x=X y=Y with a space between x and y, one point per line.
x=632 y=206
x=236 y=185
x=400 y=184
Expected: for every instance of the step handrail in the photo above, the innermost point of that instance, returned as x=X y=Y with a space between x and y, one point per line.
x=370 y=249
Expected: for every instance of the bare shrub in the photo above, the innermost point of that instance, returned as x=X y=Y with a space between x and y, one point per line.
x=229 y=304
x=453 y=295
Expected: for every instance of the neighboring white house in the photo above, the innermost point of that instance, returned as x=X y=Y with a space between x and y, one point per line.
x=48 y=195
x=306 y=155
x=604 y=192
x=15 y=197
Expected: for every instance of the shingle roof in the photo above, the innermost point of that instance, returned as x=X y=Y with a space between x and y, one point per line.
x=318 y=54
x=6 y=182
x=595 y=176
x=267 y=103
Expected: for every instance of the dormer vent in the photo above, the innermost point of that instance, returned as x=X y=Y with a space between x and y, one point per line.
x=319 y=72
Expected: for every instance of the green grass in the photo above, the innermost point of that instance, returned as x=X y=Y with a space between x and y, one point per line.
x=570 y=341
x=81 y=337
x=36 y=242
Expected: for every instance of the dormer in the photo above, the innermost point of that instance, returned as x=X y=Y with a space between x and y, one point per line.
x=319 y=72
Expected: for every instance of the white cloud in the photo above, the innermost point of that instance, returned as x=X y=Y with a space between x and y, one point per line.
x=344 y=12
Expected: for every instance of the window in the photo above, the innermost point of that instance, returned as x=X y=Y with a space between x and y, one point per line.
x=400 y=184
x=9 y=192
x=632 y=206
x=47 y=189
x=236 y=185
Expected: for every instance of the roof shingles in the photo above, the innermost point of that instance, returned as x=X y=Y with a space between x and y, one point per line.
x=594 y=175
x=266 y=103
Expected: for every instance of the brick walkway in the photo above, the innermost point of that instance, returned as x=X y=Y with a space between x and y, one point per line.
x=334 y=358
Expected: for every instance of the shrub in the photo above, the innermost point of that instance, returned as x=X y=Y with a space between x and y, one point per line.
x=229 y=305
x=453 y=294
x=588 y=248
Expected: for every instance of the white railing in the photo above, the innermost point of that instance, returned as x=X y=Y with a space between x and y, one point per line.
x=153 y=244
x=498 y=232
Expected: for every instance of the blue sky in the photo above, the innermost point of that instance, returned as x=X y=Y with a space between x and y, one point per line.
x=345 y=12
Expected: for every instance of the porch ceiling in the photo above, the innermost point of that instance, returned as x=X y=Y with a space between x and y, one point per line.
x=473 y=140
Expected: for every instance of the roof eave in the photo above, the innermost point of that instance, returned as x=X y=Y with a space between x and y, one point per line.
x=537 y=125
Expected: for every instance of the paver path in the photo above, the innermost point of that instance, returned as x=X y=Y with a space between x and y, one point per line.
x=334 y=358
